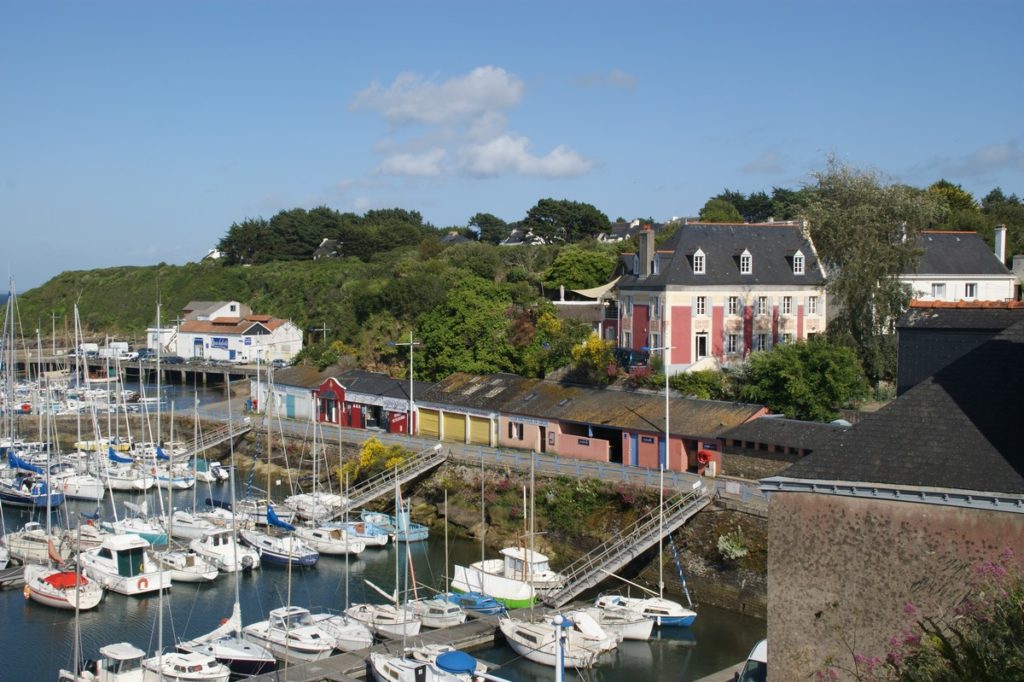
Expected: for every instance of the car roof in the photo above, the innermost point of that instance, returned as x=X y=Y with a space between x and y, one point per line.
x=760 y=652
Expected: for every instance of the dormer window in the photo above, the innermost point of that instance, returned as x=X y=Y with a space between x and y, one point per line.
x=746 y=263
x=636 y=264
x=798 y=263
x=698 y=262
x=655 y=265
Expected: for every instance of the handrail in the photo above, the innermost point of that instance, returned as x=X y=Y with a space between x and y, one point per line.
x=385 y=481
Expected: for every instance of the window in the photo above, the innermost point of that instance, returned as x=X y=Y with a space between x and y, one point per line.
x=655 y=338
x=698 y=262
x=629 y=305
x=787 y=338
x=971 y=290
x=636 y=265
x=627 y=339
x=798 y=263
x=746 y=263
x=655 y=307
x=655 y=265
x=812 y=305
x=762 y=305
x=731 y=343
x=515 y=431
x=702 y=346
x=787 y=305
x=734 y=305
x=939 y=290
x=761 y=342
x=702 y=305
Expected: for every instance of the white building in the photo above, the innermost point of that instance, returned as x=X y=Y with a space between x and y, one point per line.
x=959 y=266
x=227 y=330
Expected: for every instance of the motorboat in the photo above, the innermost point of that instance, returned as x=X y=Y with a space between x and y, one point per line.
x=476 y=603
x=386 y=620
x=186 y=566
x=330 y=540
x=515 y=580
x=622 y=621
x=188 y=526
x=123 y=564
x=291 y=634
x=175 y=666
x=436 y=612
x=400 y=526
x=220 y=548
x=538 y=642
x=663 y=612
x=349 y=634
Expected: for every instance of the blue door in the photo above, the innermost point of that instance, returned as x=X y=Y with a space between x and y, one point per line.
x=231 y=355
x=661 y=453
x=633 y=454
x=289 y=406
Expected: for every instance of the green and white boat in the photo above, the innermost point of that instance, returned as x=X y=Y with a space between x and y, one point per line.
x=516 y=580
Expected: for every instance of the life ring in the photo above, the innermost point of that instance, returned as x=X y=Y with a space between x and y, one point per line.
x=142 y=583
x=26 y=408
x=703 y=457
x=223 y=621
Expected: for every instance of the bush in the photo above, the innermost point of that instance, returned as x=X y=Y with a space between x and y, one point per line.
x=733 y=545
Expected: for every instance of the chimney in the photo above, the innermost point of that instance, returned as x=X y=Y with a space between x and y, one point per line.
x=1001 y=243
x=646 y=255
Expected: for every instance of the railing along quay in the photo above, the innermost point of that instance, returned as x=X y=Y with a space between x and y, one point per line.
x=610 y=556
x=384 y=483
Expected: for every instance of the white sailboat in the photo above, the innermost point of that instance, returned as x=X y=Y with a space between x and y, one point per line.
x=291 y=633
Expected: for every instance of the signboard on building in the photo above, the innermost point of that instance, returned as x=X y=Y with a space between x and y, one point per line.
x=219 y=342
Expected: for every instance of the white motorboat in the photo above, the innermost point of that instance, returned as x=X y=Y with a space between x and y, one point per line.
x=188 y=526
x=291 y=634
x=315 y=506
x=395 y=668
x=627 y=623
x=349 y=634
x=121 y=662
x=123 y=564
x=61 y=588
x=185 y=667
x=32 y=545
x=330 y=540
x=538 y=642
x=515 y=580
x=220 y=548
x=186 y=566
x=386 y=620
x=436 y=612
x=664 y=612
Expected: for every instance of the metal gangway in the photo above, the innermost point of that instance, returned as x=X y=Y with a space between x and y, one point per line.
x=608 y=558
x=221 y=434
x=384 y=482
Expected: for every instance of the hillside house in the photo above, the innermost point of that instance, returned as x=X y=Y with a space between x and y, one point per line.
x=228 y=330
x=959 y=266
x=717 y=292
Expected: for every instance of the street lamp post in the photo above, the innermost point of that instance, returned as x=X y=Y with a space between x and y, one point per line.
x=661 y=475
x=410 y=343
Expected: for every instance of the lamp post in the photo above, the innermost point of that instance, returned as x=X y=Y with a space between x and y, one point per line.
x=410 y=343
x=661 y=475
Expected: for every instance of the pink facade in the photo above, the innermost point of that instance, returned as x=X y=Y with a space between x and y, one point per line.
x=717 y=329
x=748 y=329
x=682 y=333
x=799 y=321
x=641 y=323
x=533 y=435
x=582 y=447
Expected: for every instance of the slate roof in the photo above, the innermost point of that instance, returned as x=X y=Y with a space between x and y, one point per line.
x=961 y=315
x=305 y=376
x=229 y=325
x=515 y=395
x=376 y=383
x=958 y=429
x=786 y=432
x=771 y=246
x=957 y=253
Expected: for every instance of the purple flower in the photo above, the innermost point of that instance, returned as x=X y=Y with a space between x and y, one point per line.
x=1007 y=555
x=894 y=658
x=909 y=609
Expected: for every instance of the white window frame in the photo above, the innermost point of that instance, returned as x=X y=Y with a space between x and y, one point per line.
x=971 y=290
x=761 y=341
x=812 y=305
x=938 y=290
x=697 y=340
x=746 y=263
x=762 y=305
x=655 y=307
x=655 y=265
x=787 y=305
x=731 y=343
x=702 y=306
x=734 y=305
x=655 y=339
x=798 y=263
x=627 y=339
x=787 y=338
x=699 y=263
x=629 y=306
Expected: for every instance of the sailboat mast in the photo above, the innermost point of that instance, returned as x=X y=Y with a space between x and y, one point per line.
x=234 y=512
x=447 y=574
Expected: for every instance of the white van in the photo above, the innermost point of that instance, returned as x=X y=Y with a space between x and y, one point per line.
x=756 y=667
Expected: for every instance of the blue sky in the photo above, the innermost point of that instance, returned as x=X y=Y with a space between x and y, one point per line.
x=137 y=132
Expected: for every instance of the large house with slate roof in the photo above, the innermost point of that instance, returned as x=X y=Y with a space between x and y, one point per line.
x=716 y=292
x=902 y=508
x=959 y=266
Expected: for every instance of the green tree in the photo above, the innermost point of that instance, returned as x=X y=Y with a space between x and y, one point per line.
x=580 y=268
x=720 y=211
x=706 y=384
x=788 y=204
x=594 y=361
x=865 y=233
x=248 y=242
x=955 y=197
x=1000 y=209
x=564 y=220
x=467 y=332
x=805 y=380
x=492 y=229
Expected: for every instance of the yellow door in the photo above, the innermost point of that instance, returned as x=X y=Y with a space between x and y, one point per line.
x=479 y=430
x=429 y=423
x=455 y=427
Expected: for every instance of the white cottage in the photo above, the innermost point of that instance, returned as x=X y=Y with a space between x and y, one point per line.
x=228 y=330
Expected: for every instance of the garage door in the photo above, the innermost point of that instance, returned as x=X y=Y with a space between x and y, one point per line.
x=429 y=423
x=455 y=427
x=479 y=430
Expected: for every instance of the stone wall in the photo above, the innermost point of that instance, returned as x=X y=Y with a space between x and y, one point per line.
x=841 y=571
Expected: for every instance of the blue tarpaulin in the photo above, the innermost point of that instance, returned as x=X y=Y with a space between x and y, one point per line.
x=114 y=457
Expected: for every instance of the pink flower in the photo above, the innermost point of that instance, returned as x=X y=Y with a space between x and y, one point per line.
x=894 y=658
x=910 y=609
x=1007 y=555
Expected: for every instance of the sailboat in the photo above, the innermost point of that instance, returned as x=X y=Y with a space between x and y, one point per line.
x=226 y=642
x=538 y=642
x=436 y=611
x=280 y=549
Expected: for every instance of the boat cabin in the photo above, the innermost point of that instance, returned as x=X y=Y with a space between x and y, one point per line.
x=289 y=618
x=523 y=562
x=127 y=552
x=121 y=661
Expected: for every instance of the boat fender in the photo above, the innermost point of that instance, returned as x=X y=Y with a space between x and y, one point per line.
x=223 y=621
x=27 y=592
x=142 y=584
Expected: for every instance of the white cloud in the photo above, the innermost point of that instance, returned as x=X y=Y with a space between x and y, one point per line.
x=413 y=99
x=768 y=163
x=510 y=153
x=616 y=78
x=981 y=164
x=463 y=118
x=424 y=165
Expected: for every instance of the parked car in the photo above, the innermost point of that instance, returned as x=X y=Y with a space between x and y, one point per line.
x=173 y=360
x=279 y=364
x=756 y=667
x=147 y=354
